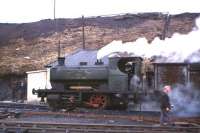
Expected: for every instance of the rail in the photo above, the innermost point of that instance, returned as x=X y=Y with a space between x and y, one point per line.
x=50 y=127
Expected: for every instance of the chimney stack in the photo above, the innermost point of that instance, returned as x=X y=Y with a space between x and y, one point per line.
x=61 y=61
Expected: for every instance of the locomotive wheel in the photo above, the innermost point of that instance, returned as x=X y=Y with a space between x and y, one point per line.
x=98 y=101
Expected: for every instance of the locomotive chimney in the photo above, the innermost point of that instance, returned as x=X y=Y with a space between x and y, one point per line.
x=61 y=61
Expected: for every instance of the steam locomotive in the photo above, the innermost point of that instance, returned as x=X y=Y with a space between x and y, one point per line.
x=81 y=80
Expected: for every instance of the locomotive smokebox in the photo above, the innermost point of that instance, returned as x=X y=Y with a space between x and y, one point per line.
x=61 y=61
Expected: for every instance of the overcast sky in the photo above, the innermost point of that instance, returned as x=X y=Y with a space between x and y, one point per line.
x=19 y=11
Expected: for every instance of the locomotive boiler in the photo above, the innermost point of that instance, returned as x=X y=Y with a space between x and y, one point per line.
x=81 y=80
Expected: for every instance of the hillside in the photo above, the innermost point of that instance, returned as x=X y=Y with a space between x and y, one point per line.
x=29 y=46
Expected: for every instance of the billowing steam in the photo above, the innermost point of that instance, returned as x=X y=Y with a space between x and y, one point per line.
x=186 y=100
x=179 y=48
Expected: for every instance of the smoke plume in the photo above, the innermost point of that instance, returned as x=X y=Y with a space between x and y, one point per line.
x=179 y=48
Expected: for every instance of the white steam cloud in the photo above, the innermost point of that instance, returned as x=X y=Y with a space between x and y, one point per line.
x=179 y=48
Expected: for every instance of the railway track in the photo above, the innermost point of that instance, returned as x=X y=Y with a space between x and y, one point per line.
x=13 y=109
x=44 y=127
x=134 y=117
x=27 y=121
x=25 y=106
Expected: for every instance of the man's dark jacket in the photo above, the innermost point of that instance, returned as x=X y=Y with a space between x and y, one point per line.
x=164 y=101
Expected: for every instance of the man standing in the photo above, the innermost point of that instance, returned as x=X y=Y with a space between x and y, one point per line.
x=165 y=106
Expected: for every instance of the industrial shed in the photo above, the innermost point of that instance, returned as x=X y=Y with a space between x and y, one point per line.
x=37 y=79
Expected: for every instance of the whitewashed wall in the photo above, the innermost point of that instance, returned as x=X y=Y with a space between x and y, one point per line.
x=39 y=80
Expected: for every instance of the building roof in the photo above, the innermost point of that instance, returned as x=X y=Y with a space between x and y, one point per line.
x=74 y=59
x=37 y=71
